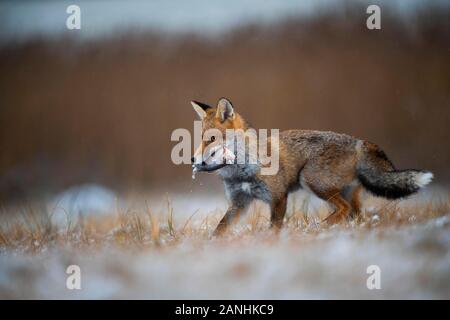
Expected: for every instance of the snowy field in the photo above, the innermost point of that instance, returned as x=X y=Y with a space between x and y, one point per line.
x=163 y=253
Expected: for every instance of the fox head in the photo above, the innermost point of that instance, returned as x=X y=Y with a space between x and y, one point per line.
x=215 y=122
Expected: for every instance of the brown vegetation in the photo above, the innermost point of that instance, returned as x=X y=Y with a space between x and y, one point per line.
x=103 y=111
x=35 y=231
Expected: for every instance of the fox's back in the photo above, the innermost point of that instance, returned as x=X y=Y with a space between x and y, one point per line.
x=316 y=142
x=304 y=145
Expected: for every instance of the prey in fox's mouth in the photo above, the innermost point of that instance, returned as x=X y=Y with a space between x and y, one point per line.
x=208 y=167
x=217 y=158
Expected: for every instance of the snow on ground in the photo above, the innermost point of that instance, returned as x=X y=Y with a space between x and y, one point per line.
x=83 y=200
x=414 y=263
x=302 y=262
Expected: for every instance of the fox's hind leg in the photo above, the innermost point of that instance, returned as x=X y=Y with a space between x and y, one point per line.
x=333 y=196
x=356 y=201
x=342 y=209
x=352 y=194
x=329 y=186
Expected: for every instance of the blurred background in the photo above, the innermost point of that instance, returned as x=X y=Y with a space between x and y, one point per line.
x=97 y=106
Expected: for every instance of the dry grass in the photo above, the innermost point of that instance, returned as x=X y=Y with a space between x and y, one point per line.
x=34 y=230
x=154 y=254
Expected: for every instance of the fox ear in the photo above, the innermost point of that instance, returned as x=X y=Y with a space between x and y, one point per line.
x=224 y=110
x=200 y=108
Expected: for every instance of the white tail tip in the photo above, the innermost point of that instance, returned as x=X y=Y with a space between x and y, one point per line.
x=422 y=179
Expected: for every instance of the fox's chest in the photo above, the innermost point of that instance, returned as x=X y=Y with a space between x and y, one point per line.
x=247 y=190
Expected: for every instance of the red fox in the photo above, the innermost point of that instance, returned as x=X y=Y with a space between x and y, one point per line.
x=327 y=164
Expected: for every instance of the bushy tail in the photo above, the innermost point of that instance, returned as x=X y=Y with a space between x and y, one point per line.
x=378 y=175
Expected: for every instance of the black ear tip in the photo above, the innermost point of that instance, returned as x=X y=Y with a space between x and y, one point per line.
x=202 y=105
x=224 y=100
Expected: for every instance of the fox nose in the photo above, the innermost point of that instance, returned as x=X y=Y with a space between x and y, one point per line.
x=193 y=160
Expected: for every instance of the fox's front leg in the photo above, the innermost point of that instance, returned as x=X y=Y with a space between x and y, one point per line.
x=232 y=213
x=278 y=211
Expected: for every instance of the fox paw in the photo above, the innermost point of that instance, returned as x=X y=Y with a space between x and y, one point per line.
x=333 y=218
